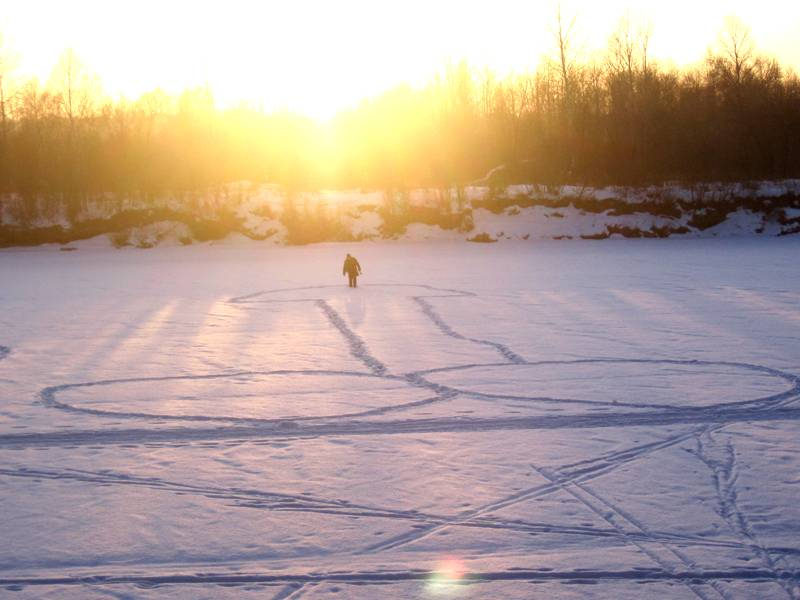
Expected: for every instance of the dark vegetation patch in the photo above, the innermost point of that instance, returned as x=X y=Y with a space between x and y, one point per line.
x=656 y=204
x=653 y=232
x=312 y=224
x=791 y=230
x=662 y=207
x=633 y=232
x=482 y=238
x=120 y=239
x=708 y=217
x=119 y=226
x=395 y=221
x=265 y=210
x=667 y=231
x=782 y=218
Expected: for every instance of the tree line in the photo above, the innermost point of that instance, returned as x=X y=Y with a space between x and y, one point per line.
x=620 y=118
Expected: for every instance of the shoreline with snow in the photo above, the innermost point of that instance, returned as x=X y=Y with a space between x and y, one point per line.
x=267 y=213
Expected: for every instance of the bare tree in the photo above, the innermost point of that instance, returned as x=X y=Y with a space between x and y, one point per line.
x=644 y=32
x=563 y=38
x=77 y=87
x=3 y=69
x=737 y=47
x=622 y=49
x=7 y=63
x=628 y=48
x=487 y=89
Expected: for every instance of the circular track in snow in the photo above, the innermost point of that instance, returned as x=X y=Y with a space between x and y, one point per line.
x=246 y=396
x=636 y=383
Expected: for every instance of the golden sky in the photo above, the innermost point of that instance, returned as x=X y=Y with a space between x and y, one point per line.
x=317 y=56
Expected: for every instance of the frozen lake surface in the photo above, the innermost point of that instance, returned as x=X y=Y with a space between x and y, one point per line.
x=613 y=419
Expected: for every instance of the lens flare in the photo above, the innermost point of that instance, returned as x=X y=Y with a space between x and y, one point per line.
x=447 y=578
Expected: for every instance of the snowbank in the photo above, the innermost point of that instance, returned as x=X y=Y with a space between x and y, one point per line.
x=524 y=212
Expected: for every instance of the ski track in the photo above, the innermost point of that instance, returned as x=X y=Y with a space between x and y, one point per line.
x=360 y=351
x=572 y=478
x=629 y=518
x=724 y=479
x=587 y=471
x=290 y=429
x=666 y=565
x=48 y=396
x=724 y=472
x=358 y=348
x=304 y=503
x=757 y=409
x=290 y=591
x=437 y=292
x=397 y=576
x=763 y=402
x=504 y=351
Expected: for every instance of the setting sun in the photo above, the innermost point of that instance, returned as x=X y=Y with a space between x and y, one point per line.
x=317 y=57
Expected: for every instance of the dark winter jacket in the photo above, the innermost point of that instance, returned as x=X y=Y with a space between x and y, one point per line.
x=351 y=266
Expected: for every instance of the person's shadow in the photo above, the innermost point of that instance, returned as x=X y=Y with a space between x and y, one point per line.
x=356 y=309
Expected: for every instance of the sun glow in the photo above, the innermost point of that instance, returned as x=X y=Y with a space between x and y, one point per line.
x=316 y=57
x=447 y=579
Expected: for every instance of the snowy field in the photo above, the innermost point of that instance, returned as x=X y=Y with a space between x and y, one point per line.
x=614 y=419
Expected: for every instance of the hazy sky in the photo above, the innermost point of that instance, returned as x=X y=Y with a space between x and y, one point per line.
x=317 y=56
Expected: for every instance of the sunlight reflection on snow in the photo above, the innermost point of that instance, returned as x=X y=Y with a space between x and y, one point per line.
x=447 y=579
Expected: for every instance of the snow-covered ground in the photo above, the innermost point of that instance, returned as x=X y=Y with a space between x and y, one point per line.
x=612 y=419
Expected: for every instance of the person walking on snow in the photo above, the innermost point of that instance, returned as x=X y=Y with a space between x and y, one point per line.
x=352 y=269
